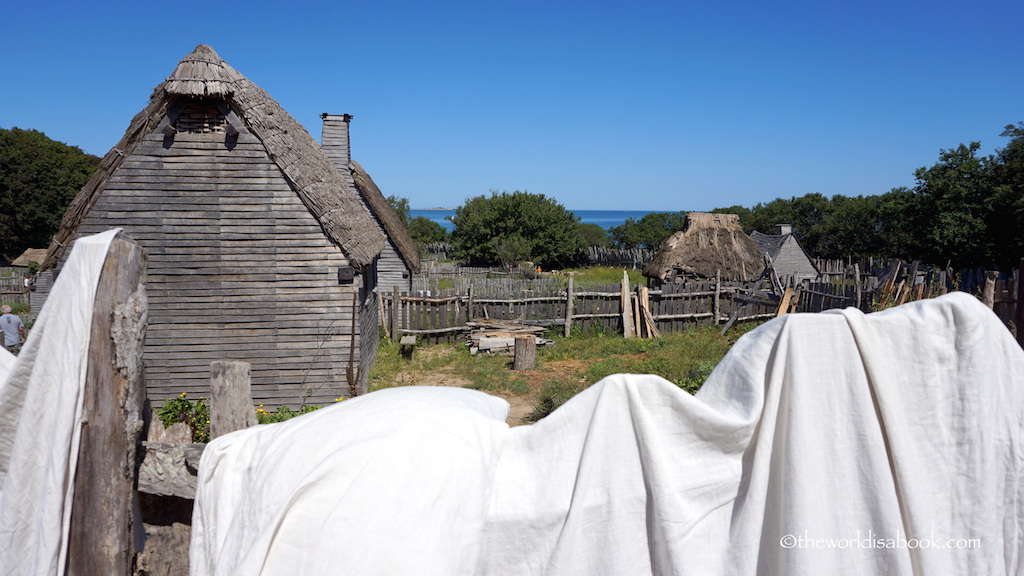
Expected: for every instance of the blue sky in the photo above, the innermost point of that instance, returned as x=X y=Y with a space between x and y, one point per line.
x=641 y=105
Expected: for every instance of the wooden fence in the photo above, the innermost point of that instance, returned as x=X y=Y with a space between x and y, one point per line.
x=442 y=315
x=12 y=286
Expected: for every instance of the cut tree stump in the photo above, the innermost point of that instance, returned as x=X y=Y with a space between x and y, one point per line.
x=525 y=353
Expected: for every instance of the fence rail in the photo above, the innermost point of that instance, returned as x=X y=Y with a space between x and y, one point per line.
x=440 y=315
x=443 y=314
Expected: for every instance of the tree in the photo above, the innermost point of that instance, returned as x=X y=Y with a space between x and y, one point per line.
x=425 y=231
x=593 y=235
x=954 y=202
x=38 y=179
x=648 y=232
x=401 y=207
x=517 y=224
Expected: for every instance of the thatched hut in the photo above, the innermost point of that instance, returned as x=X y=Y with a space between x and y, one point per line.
x=259 y=250
x=710 y=244
x=400 y=258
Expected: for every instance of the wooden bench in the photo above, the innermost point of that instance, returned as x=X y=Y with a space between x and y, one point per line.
x=408 y=346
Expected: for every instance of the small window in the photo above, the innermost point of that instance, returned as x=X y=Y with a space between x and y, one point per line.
x=201 y=117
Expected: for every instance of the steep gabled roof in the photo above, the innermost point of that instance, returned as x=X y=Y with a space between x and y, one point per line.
x=203 y=74
x=710 y=243
x=771 y=244
x=389 y=219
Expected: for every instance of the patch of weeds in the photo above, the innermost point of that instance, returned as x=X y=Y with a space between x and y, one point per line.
x=553 y=393
x=196 y=415
x=696 y=377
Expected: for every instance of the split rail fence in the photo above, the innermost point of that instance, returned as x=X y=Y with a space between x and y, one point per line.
x=444 y=315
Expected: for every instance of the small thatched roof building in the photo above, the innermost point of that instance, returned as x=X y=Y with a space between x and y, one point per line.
x=710 y=244
x=259 y=249
x=36 y=255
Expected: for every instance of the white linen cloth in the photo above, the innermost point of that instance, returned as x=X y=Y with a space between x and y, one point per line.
x=833 y=443
x=40 y=418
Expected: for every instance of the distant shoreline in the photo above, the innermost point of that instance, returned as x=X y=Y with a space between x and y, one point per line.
x=606 y=219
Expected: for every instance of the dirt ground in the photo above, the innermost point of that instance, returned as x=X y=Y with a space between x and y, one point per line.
x=521 y=405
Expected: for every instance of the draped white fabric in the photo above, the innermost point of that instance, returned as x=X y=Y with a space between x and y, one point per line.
x=40 y=418
x=834 y=443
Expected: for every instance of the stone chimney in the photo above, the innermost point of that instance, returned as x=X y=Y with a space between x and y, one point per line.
x=783 y=229
x=334 y=139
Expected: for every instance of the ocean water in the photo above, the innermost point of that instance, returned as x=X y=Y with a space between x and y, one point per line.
x=604 y=218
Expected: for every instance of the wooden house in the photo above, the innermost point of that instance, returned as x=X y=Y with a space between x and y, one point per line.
x=787 y=256
x=259 y=250
x=710 y=245
x=400 y=258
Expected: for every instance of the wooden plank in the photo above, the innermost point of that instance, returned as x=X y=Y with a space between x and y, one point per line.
x=102 y=518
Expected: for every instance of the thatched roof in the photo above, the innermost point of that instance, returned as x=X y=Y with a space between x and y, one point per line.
x=31 y=255
x=389 y=219
x=203 y=74
x=770 y=244
x=709 y=243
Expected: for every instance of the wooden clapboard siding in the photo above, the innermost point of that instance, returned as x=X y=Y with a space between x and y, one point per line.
x=239 y=269
x=793 y=261
x=392 y=271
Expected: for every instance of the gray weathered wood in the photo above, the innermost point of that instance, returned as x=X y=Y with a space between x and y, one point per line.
x=627 y=307
x=231 y=406
x=102 y=518
x=570 y=299
x=169 y=469
x=988 y=297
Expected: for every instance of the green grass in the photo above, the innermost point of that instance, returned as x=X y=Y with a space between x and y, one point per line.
x=601 y=275
x=564 y=368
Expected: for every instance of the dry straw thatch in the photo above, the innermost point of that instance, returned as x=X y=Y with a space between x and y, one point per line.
x=710 y=244
x=203 y=74
x=389 y=219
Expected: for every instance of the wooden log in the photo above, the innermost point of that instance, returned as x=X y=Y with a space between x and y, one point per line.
x=230 y=397
x=569 y=302
x=102 y=518
x=525 y=353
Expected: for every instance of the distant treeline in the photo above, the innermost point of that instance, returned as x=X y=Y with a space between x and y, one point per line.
x=966 y=210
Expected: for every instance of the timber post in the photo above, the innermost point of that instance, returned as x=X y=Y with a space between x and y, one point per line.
x=988 y=295
x=396 y=312
x=627 y=307
x=717 y=305
x=230 y=397
x=569 y=301
x=100 y=538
